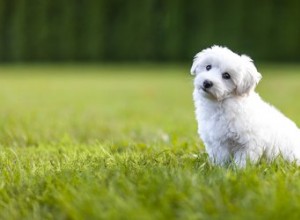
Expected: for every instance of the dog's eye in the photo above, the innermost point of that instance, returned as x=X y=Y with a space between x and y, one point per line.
x=208 y=67
x=225 y=75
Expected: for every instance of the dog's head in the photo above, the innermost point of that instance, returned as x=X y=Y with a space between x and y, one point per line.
x=221 y=73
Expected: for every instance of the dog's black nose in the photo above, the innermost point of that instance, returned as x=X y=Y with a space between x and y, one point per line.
x=207 y=84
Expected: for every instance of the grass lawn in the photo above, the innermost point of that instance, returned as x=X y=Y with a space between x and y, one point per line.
x=119 y=142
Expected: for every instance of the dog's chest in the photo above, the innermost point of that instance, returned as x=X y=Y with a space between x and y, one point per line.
x=221 y=127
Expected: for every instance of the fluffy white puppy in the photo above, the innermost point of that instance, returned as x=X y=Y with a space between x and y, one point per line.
x=234 y=123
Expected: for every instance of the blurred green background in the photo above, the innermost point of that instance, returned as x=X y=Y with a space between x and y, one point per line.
x=147 y=30
x=97 y=118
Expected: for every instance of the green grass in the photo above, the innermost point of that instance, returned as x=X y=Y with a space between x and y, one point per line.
x=119 y=142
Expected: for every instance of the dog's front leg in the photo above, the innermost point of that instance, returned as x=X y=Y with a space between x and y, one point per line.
x=219 y=155
x=243 y=157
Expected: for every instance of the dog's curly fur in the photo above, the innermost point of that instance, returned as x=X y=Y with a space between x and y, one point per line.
x=234 y=123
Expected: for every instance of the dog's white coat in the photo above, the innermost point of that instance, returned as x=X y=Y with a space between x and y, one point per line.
x=233 y=121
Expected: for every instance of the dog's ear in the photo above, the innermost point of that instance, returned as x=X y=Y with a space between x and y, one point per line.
x=194 y=68
x=198 y=59
x=249 y=76
x=196 y=64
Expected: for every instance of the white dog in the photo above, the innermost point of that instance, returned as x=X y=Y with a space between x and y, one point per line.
x=234 y=123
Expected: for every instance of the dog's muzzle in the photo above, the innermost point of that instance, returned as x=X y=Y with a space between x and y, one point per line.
x=207 y=84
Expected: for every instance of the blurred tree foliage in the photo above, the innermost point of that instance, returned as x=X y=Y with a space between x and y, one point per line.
x=153 y=30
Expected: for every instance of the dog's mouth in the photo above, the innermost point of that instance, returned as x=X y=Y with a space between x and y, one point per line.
x=204 y=89
x=208 y=94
